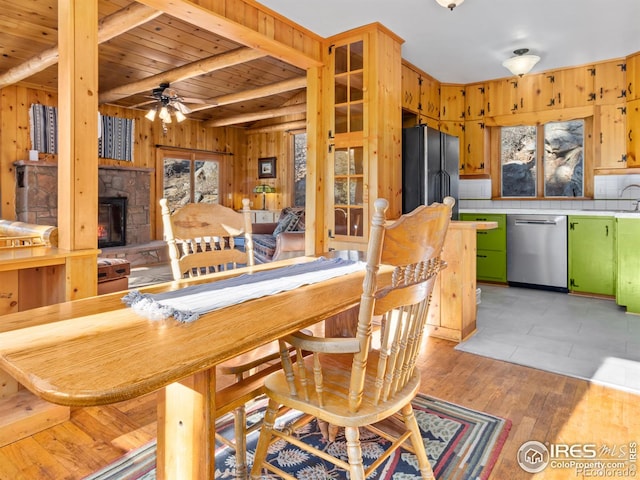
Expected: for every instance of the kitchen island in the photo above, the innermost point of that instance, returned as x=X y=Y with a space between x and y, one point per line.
x=452 y=314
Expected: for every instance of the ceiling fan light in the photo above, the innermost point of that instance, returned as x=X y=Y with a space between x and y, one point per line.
x=450 y=4
x=180 y=117
x=151 y=114
x=165 y=115
x=521 y=63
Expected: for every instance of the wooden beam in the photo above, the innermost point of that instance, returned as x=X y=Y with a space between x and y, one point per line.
x=251 y=117
x=78 y=132
x=220 y=25
x=193 y=69
x=109 y=27
x=260 y=92
x=286 y=126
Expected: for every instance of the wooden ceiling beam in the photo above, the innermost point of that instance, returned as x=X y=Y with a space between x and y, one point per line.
x=285 y=126
x=220 y=25
x=252 y=117
x=193 y=69
x=259 y=92
x=109 y=27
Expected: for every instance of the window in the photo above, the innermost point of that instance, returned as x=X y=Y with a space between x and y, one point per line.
x=553 y=169
x=191 y=178
x=299 y=169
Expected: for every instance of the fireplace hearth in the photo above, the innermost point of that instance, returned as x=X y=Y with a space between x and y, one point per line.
x=112 y=222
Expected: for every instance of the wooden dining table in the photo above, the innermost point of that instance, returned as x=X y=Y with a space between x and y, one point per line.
x=98 y=351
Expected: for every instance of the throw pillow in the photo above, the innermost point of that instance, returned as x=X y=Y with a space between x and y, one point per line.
x=285 y=222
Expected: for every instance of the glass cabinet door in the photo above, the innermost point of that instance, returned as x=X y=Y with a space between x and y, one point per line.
x=347 y=200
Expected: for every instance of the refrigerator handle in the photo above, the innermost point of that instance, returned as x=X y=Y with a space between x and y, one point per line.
x=447 y=185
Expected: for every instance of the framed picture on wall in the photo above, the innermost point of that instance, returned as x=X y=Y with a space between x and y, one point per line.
x=267 y=167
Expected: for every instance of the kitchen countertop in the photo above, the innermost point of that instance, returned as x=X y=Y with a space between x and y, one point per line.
x=538 y=211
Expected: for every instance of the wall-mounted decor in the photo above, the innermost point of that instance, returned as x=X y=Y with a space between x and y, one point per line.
x=267 y=167
x=115 y=135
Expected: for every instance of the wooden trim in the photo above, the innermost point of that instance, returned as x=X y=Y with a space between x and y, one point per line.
x=538 y=118
x=616 y=171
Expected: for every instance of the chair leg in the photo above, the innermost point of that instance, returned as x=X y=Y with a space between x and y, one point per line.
x=354 y=452
x=240 y=427
x=416 y=440
x=265 y=439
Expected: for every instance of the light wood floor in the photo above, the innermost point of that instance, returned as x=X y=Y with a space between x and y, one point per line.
x=542 y=406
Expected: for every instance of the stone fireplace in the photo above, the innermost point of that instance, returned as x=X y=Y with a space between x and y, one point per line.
x=37 y=198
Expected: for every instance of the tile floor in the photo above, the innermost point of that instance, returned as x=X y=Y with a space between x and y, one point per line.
x=589 y=338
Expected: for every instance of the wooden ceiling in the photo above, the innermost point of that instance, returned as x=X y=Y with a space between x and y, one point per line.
x=242 y=85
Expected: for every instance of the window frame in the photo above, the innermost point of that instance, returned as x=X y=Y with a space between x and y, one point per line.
x=225 y=176
x=495 y=156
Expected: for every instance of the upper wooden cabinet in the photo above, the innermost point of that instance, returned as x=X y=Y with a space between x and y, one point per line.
x=633 y=77
x=610 y=127
x=502 y=97
x=633 y=133
x=577 y=86
x=429 y=96
x=474 y=101
x=410 y=89
x=610 y=82
x=538 y=92
x=452 y=104
x=420 y=92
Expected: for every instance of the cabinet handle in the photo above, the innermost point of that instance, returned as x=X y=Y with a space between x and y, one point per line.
x=630 y=139
x=629 y=89
x=481 y=232
x=481 y=256
x=606 y=227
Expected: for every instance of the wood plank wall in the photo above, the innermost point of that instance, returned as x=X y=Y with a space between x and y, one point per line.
x=15 y=143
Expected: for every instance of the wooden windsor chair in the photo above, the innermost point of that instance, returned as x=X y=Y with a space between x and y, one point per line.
x=349 y=382
x=203 y=239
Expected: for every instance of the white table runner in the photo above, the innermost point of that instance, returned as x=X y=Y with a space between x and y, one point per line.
x=187 y=304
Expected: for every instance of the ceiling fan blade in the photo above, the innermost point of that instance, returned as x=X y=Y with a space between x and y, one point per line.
x=201 y=101
x=181 y=107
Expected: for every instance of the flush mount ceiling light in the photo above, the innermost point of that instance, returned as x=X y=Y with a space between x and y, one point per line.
x=522 y=62
x=450 y=4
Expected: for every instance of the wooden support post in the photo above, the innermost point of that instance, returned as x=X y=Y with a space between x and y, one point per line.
x=185 y=428
x=78 y=135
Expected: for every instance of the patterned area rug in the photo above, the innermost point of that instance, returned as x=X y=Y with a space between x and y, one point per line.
x=461 y=444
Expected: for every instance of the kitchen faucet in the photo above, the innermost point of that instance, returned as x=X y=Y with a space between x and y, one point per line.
x=637 y=200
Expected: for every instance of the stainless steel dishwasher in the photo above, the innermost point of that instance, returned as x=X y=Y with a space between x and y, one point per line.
x=537 y=251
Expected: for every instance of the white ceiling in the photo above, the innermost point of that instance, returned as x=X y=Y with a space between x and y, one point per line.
x=468 y=44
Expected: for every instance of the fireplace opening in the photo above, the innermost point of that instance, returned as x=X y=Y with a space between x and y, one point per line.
x=112 y=222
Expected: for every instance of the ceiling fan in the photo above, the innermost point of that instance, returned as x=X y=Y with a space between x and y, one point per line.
x=168 y=101
x=168 y=96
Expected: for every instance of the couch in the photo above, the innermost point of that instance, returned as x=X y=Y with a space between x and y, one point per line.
x=281 y=239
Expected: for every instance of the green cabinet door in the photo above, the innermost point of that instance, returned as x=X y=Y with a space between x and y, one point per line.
x=491 y=247
x=628 y=265
x=592 y=254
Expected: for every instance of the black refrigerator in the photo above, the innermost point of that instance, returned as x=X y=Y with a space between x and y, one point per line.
x=429 y=167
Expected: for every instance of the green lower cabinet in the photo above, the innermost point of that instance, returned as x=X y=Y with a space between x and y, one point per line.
x=491 y=247
x=628 y=265
x=592 y=258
